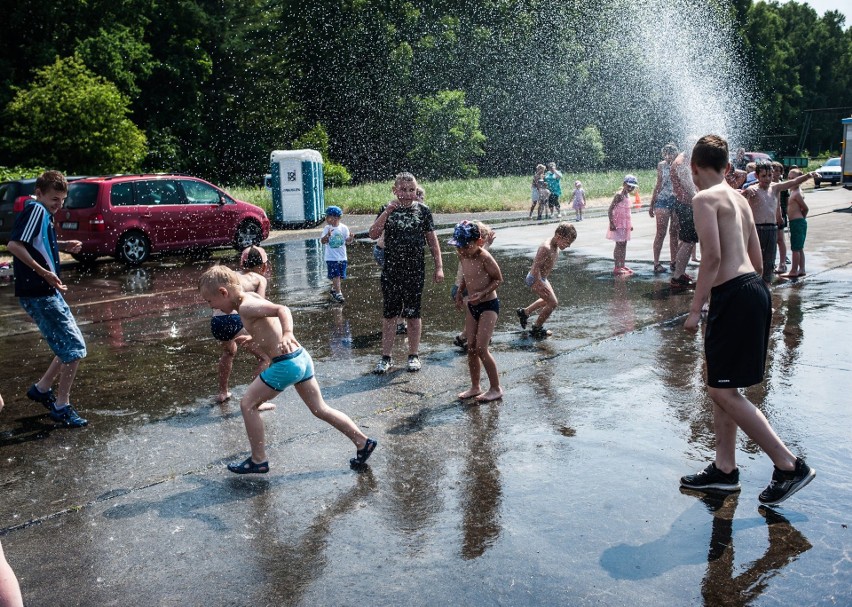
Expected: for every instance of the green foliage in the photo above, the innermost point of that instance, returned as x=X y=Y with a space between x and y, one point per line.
x=589 y=148
x=315 y=139
x=446 y=138
x=335 y=175
x=11 y=173
x=83 y=116
x=119 y=55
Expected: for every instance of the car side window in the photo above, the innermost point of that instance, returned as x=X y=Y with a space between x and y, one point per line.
x=121 y=194
x=197 y=192
x=158 y=192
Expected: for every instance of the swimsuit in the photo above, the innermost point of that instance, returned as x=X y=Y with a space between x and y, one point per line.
x=288 y=369
x=798 y=232
x=476 y=310
x=767 y=234
x=225 y=327
x=530 y=279
x=737 y=332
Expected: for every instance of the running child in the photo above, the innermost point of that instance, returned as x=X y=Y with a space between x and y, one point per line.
x=335 y=236
x=271 y=326
x=537 y=279
x=797 y=212
x=39 y=290
x=578 y=200
x=480 y=278
x=737 y=331
x=620 y=224
x=228 y=328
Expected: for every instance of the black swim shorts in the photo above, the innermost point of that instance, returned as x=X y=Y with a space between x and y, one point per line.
x=737 y=334
x=476 y=310
x=686 y=223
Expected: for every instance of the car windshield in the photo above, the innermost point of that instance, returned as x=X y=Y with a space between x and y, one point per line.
x=832 y=162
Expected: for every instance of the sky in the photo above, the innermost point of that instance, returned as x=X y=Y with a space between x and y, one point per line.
x=820 y=6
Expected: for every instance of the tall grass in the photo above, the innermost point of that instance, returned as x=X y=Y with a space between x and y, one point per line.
x=466 y=195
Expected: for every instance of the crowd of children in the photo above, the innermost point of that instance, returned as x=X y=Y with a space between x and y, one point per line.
x=244 y=318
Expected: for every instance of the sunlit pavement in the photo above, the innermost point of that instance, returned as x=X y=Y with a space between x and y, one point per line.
x=563 y=493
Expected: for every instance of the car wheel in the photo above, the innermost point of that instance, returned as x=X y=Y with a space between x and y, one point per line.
x=134 y=248
x=249 y=233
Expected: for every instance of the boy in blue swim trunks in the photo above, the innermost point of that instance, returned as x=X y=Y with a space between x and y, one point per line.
x=480 y=278
x=39 y=290
x=271 y=326
x=228 y=328
x=545 y=260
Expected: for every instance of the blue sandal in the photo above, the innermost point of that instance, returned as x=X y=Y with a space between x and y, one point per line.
x=249 y=467
x=362 y=455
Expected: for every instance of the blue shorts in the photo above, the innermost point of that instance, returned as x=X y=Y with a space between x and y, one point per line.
x=288 y=369
x=57 y=326
x=225 y=327
x=477 y=310
x=665 y=203
x=530 y=280
x=336 y=268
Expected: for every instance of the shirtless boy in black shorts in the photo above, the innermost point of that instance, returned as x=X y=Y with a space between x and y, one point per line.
x=737 y=333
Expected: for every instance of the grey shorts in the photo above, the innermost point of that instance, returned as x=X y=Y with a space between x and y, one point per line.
x=767 y=234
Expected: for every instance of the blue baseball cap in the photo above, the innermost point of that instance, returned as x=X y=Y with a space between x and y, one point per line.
x=334 y=212
x=631 y=181
x=464 y=234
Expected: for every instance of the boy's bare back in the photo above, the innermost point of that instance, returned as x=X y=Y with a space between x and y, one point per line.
x=252 y=282
x=726 y=231
x=545 y=259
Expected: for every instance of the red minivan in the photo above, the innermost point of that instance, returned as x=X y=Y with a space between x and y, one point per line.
x=131 y=216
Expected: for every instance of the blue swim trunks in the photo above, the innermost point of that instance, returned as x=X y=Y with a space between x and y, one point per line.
x=225 y=327
x=288 y=369
x=57 y=325
x=530 y=279
x=336 y=268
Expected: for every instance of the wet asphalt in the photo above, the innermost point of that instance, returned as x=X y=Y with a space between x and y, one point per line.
x=563 y=493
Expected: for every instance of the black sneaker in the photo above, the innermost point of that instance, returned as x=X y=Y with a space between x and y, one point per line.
x=538 y=331
x=68 y=417
x=523 y=316
x=682 y=282
x=784 y=484
x=47 y=399
x=712 y=478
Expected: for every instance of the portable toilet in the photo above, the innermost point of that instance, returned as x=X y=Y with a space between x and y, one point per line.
x=298 y=199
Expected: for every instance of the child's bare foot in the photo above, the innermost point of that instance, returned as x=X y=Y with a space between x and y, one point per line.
x=470 y=393
x=266 y=407
x=223 y=396
x=492 y=394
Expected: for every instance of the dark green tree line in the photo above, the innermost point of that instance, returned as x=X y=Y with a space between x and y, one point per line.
x=442 y=87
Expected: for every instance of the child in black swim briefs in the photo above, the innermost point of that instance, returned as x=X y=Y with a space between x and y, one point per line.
x=271 y=325
x=480 y=278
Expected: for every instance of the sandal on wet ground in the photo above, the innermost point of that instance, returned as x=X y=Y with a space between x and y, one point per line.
x=539 y=331
x=362 y=455
x=660 y=269
x=522 y=317
x=249 y=467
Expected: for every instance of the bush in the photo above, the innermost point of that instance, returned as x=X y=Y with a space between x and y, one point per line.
x=589 y=148
x=70 y=117
x=447 y=138
x=12 y=173
x=335 y=175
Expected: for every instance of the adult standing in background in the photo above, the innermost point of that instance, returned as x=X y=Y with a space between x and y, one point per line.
x=662 y=209
x=684 y=190
x=552 y=177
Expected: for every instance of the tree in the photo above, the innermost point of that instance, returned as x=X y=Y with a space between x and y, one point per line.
x=70 y=118
x=447 y=138
x=589 y=148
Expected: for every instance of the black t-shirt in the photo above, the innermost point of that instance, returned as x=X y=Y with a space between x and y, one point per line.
x=34 y=229
x=405 y=235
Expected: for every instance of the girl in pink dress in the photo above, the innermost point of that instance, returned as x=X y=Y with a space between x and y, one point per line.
x=620 y=225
